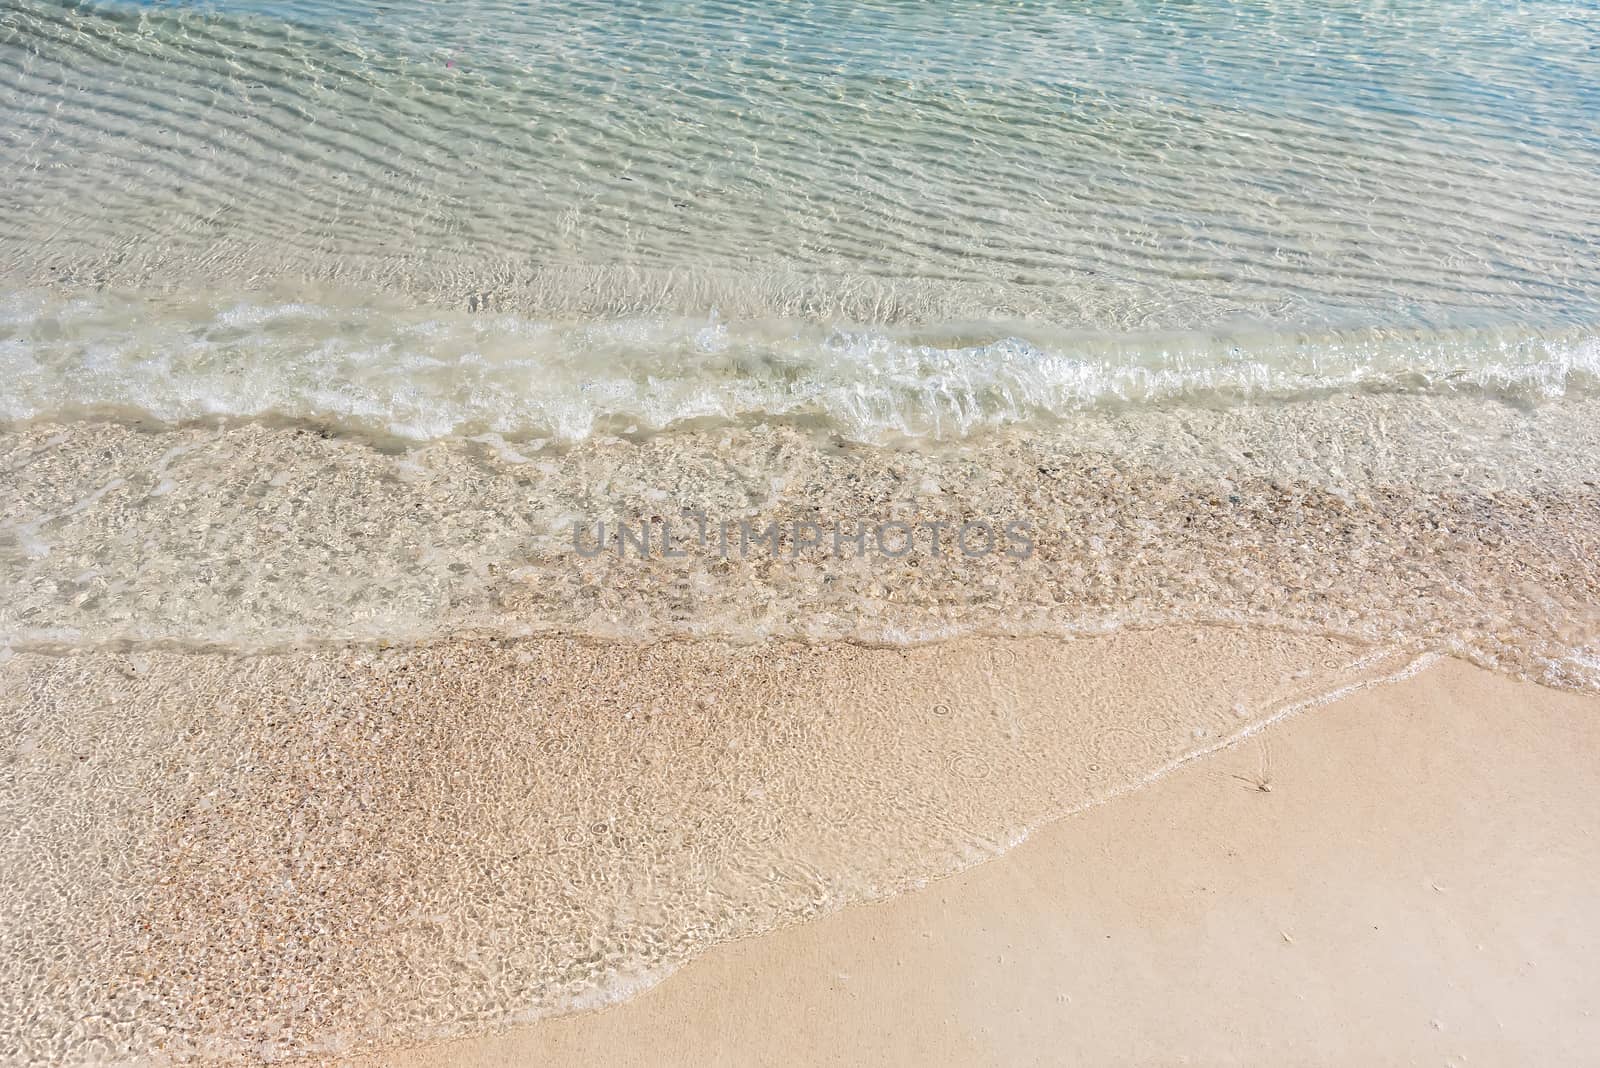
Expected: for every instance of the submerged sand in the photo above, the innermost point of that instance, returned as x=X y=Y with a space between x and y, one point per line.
x=1461 y=525
x=1417 y=887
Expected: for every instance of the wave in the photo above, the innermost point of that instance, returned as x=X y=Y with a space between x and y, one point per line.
x=425 y=374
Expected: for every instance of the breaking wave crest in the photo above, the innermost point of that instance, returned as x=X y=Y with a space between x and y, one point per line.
x=424 y=374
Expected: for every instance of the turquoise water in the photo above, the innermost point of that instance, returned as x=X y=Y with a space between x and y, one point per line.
x=541 y=219
x=720 y=245
x=323 y=326
x=1038 y=172
x=1348 y=249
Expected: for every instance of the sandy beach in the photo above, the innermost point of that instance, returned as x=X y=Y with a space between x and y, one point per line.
x=1238 y=844
x=331 y=850
x=1417 y=887
x=368 y=750
x=812 y=532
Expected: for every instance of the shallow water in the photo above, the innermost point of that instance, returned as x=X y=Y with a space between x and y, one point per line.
x=1113 y=166
x=882 y=220
x=1458 y=524
x=384 y=370
x=331 y=334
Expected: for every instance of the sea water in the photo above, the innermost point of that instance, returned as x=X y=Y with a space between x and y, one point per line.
x=331 y=335
x=511 y=268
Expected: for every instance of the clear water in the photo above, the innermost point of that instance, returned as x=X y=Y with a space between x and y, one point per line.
x=549 y=220
x=1109 y=166
x=537 y=265
x=323 y=325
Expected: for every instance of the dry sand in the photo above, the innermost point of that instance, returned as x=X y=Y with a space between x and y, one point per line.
x=1419 y=885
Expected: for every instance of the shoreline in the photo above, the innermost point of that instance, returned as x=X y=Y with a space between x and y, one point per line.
x=325 y=847
x=714 y=533
x=316 y=852
x=1411 y=888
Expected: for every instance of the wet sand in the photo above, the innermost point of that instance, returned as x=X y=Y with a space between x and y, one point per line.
x=1418 y=886
x=328 y=851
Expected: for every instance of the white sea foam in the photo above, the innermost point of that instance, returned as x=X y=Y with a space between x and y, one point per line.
x=422 y=375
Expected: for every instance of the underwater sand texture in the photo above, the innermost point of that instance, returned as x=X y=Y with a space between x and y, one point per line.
x=1464 y=526
x=323 y=328
x=1094 y=167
